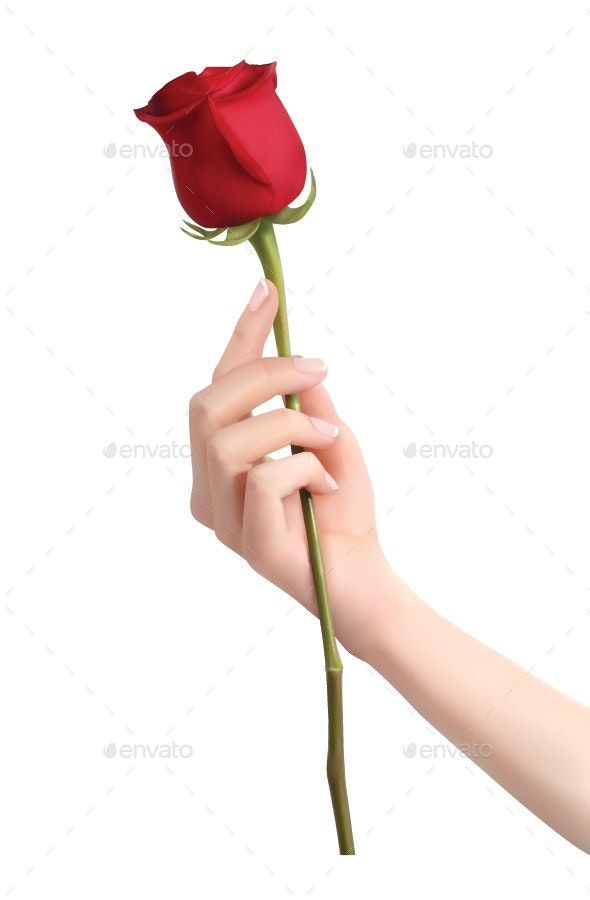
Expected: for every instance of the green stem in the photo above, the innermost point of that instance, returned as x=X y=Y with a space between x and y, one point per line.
x=265 y=245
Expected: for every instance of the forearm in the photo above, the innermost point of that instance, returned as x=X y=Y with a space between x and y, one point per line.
x=536 y=739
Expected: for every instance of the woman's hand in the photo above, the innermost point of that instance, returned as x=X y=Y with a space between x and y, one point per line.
x=533 y=740
x=252 y=501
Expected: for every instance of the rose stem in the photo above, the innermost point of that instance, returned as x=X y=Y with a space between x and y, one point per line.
x=265 y=245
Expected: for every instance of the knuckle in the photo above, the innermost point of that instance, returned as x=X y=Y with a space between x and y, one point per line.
x=200 y=512
x=220 y=370
x=269 y=365
x=202 y=409
x=218 y=448
x=289 y=417
x=225 y=535
x=308 y=461
x=241 y=331
x=253 y=559
x=257 y=478
x=199 y=402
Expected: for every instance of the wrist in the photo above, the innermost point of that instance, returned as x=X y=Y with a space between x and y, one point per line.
x=400 y=635
x=368 y=610
x=393 y=608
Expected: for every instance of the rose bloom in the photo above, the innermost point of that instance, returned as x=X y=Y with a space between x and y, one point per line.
x=234 y=151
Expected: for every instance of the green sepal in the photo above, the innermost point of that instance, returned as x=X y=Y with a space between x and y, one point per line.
x=205 y=233
x=197 y=237
x=291 y=214
x=237 y=234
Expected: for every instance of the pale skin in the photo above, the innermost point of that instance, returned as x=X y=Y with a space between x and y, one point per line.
x=529 y=737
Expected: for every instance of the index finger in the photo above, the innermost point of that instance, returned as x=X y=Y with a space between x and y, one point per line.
x=251 y=331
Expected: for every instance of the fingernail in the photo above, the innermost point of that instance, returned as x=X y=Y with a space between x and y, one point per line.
x=324 y=427
x=308 y=365
x=331 y=482
x=259 y=296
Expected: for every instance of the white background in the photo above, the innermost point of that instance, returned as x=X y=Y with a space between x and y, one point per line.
x=450 y=298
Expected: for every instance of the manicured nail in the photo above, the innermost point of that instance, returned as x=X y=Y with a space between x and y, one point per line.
x=259 y=296
x=324 y=427
x=331 y=482
x=308 y=365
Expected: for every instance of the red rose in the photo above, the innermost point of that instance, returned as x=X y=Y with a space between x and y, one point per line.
x=234 y=151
